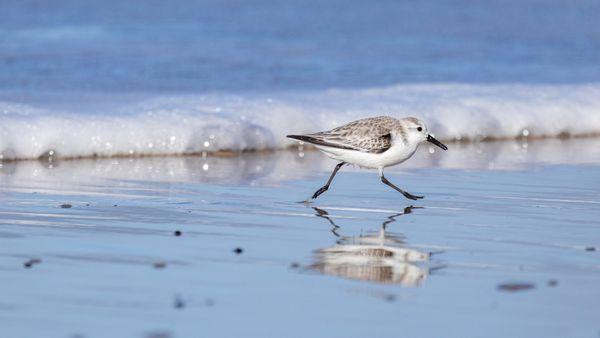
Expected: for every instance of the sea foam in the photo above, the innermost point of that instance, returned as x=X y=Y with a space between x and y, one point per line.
x=191 y=124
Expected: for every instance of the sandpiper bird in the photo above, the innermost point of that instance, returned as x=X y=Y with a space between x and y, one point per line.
x=375 y=143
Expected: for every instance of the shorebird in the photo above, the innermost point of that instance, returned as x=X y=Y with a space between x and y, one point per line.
x=373 y=143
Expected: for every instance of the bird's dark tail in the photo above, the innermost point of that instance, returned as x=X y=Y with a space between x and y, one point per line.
x=319 y=142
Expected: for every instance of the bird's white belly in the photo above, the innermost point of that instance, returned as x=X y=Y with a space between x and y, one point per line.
x=395 y=155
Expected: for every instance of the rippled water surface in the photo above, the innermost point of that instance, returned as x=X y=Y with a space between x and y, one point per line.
x=504 y=244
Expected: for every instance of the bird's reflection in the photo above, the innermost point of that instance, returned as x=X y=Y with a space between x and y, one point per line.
x=378 y=257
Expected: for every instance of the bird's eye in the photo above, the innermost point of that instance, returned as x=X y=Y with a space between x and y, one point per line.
x=420 y=129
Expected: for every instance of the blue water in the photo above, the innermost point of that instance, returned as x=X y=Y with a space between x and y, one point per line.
x=192 y=46
x=106 y=78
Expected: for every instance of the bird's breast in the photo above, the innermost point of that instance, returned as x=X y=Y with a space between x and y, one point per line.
x=398 y=153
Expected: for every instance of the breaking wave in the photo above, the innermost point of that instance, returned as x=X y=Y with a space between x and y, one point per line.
x=191 y=124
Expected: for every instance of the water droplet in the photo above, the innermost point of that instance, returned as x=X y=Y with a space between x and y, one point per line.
x=525 y=132
x=205 y=166
x=206 y=144
x=431 y=150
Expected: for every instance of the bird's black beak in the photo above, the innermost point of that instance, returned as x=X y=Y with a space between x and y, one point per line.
x=436 y=142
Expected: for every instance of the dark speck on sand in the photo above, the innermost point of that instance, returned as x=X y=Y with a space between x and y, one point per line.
x=552 y=282
x=158 y=334
x=31 y=262
x=238 y=251
x=178 y=303
x=590 y=248
x=513 y=287
x=159 y=265
x=66 y=206
x=177 y=233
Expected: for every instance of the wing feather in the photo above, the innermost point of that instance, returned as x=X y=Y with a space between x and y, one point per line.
x=371 y=135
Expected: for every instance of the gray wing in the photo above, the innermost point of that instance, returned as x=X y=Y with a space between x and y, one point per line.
x=371 y=135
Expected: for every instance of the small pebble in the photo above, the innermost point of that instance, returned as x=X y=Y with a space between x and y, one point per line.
x=552 y=283
x=390 y=298
x=66 y=206
x=159 y=265
x=177 y=233
x=209 y=302
x=178 y=303
x=590 y=248
x=31 y=262
x=238 y=251
x=294 y=265
x=114 y=205
x=513 y=287
x=158 y=334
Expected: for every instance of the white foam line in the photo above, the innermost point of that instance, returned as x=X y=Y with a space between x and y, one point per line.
x=23 y=214
x=51 y=191
x=186 y=124
x=387 y=211
x=545 y=199
x=446 y=208
x=300 y=214
x=44 y=224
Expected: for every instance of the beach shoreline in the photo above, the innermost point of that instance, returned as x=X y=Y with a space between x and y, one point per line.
x=152 y=243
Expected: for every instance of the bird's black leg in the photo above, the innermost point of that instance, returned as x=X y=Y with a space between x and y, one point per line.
x=326 y=186
x=406 y=194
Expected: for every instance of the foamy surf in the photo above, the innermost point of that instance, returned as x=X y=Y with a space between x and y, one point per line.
x=194 y=124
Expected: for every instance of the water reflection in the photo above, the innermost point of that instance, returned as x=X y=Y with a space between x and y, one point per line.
x=379 y=257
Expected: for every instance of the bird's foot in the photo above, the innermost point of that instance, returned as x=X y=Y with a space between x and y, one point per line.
x=411 y=196
x=319 y=192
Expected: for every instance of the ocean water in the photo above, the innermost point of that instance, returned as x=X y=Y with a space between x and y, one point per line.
x=80 y=79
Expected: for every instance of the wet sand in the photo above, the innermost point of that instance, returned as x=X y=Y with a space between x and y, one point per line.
x=505 y=243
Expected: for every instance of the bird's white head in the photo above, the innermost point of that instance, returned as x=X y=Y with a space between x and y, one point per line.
x=417 y=132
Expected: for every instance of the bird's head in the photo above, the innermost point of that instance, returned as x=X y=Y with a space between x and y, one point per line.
x=417 y=131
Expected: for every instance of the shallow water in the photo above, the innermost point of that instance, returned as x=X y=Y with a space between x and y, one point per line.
x=501 y=245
